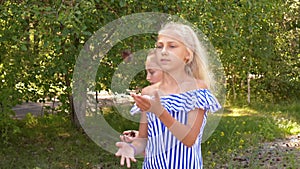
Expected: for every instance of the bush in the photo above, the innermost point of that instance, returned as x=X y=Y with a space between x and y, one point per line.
x=8 y=127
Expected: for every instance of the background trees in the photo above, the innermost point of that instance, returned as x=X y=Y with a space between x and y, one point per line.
x=40 y=41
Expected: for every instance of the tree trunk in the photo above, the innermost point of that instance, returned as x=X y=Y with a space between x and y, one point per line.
x=249 y=88
x=233 y=87
x=73 y=115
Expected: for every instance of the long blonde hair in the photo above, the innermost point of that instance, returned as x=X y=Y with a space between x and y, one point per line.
x=197 y=66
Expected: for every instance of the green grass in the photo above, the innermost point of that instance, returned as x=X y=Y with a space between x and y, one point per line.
x=242 y=129
x=52 y=142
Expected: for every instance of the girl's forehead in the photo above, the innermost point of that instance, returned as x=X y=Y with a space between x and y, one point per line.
x=151 y=66
x=166 y=38
x=153 y=69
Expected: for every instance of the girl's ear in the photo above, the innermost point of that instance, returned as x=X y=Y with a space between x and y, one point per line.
x=189 y=57
x=186 y=59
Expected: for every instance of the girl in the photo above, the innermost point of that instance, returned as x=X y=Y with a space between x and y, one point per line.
x=154 y=75
x=173 y=119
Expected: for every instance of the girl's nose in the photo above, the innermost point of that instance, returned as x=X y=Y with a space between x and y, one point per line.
x=148 y=77
x=164 y=51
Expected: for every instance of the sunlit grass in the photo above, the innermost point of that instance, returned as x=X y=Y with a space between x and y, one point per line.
x=245 y=128
x=238 y=112
x=53 y=142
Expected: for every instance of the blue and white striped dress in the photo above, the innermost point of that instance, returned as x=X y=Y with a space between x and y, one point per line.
x=163 y=150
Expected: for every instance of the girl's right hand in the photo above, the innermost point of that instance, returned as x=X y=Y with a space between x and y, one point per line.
x=149 y=104
x=129 y=135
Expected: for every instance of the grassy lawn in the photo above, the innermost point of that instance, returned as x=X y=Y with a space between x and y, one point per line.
x=242 y=130
x=52 y=142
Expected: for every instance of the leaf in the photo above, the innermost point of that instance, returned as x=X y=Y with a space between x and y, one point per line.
x=23 y=47
x=122 y=3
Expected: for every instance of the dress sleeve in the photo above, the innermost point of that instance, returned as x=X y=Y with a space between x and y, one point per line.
x=207 y=101
x=187 y=101
x=134 y=110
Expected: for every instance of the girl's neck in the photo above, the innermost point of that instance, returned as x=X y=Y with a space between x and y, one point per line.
x=173 y=83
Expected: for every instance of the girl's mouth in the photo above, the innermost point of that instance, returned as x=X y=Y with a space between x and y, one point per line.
x=164 y=60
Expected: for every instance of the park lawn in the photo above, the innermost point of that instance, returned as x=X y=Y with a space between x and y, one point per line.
x=242 y=130
x=52 y=141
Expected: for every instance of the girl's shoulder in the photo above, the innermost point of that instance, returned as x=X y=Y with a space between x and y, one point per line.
x=193 y=84
x=201 y=84
x=149 y=89
x=189 y=85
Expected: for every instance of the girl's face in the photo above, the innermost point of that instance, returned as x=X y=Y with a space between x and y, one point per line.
x=154 y=75
x=171 y=53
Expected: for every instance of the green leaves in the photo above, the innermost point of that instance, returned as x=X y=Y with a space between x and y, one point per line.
x=40 y=42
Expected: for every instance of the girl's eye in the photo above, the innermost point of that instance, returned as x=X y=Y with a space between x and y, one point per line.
x=172 y=45
x=150 y=71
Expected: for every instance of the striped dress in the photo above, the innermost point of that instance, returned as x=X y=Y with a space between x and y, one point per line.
x=163 y=150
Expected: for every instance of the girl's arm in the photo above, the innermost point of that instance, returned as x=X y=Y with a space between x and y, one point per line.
x=141 y=141
x=127 y=151
x=186 y=133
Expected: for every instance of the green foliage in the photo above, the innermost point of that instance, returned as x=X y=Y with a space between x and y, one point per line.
x=30 y=121
x=41 y=40
x=8 y=128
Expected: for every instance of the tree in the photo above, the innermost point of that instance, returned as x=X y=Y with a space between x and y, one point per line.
x=40 y=43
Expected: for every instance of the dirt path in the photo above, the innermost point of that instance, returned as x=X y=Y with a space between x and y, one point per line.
x=38 y=109
x=35 y=109
x=279 y=154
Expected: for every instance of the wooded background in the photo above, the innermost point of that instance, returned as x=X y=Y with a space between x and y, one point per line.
x=40 y=41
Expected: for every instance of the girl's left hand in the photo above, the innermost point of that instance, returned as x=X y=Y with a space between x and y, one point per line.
x=149 y=105
x=126 y=152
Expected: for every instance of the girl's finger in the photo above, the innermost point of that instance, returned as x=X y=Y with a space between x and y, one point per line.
x=126 y=132
x=128 y=162
x=122 y=137
x=133 y=159
x=127 y=139
x=143 y=100
x=122 y=160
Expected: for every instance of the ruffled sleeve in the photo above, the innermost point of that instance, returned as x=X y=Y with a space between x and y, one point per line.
x=187 y=101
x=134 y=110
x=207 y=101
x=190 y=100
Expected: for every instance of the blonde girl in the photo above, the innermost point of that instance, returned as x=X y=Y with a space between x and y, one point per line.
x=173 y=119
